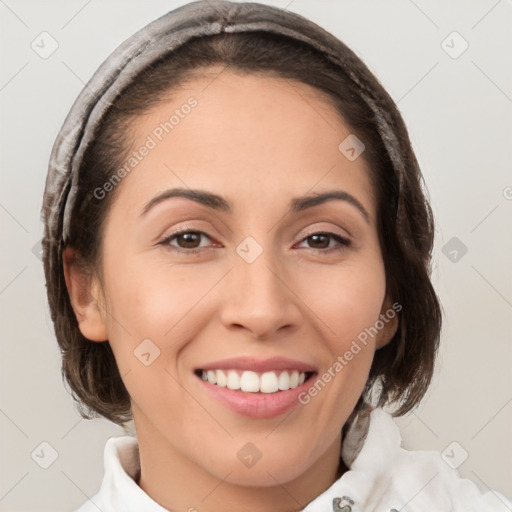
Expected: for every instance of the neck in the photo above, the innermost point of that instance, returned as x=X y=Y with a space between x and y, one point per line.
x=180 y=485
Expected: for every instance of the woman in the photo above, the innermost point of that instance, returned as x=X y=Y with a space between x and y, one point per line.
x=237 y=251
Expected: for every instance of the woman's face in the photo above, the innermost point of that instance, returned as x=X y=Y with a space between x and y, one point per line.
x=265 y=282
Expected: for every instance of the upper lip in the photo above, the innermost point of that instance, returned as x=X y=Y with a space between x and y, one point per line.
x=258 y=365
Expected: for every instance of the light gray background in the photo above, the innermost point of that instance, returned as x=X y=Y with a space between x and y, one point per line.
x=459 y=113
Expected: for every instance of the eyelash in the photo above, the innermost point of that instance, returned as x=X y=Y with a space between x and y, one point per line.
x=343 y=242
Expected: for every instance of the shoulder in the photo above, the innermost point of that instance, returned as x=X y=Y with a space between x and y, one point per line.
x=418 y=479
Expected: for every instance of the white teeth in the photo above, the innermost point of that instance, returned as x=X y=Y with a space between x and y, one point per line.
x=233 y=380
x=268 y=383
x=284 y=381
x=221 y=379
x=252 y=382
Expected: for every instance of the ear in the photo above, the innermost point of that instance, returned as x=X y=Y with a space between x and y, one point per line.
x=83 y=292
x=389 y=317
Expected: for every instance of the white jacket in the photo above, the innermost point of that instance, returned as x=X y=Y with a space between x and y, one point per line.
x=383 y=477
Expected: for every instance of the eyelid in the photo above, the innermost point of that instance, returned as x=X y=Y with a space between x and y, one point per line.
x=328 y=231
x=181 y=231
x=186 y=228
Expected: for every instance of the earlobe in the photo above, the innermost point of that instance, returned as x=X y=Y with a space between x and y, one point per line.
x=83 y=291
x=389 y=318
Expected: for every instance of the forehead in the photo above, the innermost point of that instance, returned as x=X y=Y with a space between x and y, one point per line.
x=252 y=131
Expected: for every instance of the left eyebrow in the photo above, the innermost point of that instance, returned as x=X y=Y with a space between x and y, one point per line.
x=199 y=196
x=219 y=203
x=302 y=203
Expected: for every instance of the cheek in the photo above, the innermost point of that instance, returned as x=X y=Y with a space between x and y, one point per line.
x=149 y=310
x=346 y=299
x=151 y=301
x=156 y=308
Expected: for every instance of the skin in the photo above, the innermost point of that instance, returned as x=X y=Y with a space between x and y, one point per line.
x=295 y=300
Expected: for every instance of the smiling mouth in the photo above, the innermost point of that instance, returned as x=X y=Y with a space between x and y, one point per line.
x=254 y=382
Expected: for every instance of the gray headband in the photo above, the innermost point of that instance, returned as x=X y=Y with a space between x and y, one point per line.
x=202 y=18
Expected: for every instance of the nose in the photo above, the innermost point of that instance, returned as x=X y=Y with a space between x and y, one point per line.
x=258 y=297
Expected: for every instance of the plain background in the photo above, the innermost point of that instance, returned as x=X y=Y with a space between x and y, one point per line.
x=459 y=113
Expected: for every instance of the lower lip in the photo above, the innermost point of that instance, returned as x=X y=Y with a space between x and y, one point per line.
x=258 y=405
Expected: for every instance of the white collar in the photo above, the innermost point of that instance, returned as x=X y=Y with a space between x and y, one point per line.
x=383 y=477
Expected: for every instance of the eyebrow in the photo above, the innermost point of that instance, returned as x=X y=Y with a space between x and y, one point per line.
x=218 y=203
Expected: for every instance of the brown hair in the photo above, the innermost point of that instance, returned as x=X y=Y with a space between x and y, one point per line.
x=402 y=369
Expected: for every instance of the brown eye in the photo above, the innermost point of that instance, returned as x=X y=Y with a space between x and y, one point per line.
x=319 y=241
x=322 y=242
x=189 y=240
x=186 y=241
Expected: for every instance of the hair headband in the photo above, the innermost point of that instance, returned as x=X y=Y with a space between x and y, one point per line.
x=201 y=18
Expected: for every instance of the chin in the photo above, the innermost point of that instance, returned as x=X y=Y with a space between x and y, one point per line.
x=268 y=475
x=263 y=470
